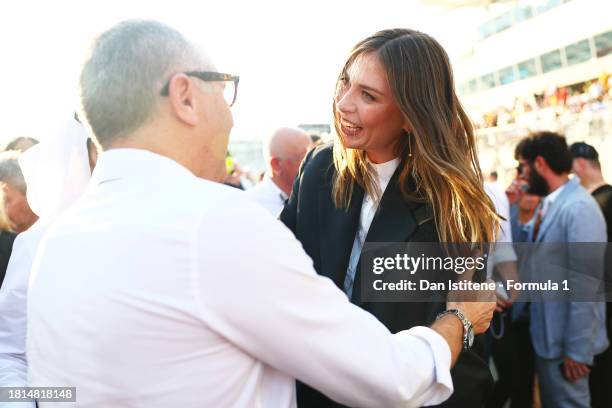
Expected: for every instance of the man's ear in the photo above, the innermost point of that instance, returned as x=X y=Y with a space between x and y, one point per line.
x=275 y=165
x=540 y=165
x=181 y=95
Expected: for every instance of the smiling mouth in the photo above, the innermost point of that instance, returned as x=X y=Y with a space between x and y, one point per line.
x=349 y=128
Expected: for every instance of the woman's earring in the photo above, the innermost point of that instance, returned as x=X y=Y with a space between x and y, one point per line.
x=408 y=135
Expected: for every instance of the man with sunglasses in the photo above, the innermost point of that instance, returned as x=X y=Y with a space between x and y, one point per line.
x=569 y=331
x=137 y=296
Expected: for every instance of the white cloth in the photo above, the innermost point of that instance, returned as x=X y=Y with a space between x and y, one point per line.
x=502 y=206
x=159 y=289
x=384 y=172
x=56 y=173
x=502 y=251
x=550 y=199
x=269 y=195
x=13 y=303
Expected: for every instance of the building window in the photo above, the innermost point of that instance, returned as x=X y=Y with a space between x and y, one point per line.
x=507 y=75
x=486 y=30
x=487 y=81
x=578 y=52
x=603 y=44
x=503 y=22
x=472 y=86
x=547 y=5
x=527 y=69
x=551 y=61
x=522 y=14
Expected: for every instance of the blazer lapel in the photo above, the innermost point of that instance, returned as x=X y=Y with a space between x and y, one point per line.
x=337 y=227
x=395 y=221
x=554 y=208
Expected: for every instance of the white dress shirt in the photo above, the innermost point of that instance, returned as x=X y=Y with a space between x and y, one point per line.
x=550 y=199
x=503 y=251
x=13 y=304
x=56 y=172
x=502 y=206
x=151 y=291
x=384 y=172
x=269 y=195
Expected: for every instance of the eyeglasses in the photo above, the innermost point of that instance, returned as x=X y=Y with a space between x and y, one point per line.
x=521 y=166
x=230 y=89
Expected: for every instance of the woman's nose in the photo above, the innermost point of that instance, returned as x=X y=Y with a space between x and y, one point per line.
x=344 y=102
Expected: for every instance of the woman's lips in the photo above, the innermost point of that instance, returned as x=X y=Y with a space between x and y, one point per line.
x=350 y=129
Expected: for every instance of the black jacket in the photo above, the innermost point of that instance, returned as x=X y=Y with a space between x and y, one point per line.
x=327 y=234
x=6 y=247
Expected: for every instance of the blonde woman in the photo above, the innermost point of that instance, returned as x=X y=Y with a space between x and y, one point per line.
x=402 y=169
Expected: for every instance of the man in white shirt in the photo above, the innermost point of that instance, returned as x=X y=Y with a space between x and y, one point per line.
x=56 y=172
x=283 y=153
x=137 y=296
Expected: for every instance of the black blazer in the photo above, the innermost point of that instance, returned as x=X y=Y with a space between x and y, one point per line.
x=6 y=247
x=327 y=234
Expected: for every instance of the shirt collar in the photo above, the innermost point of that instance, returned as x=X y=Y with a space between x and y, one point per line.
x=550 y=199
x=385 y=170
x=115 y=164
x=269 y=183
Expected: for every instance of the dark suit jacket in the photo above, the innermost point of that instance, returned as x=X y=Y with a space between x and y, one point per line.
x=327 y=234
x=6 y=247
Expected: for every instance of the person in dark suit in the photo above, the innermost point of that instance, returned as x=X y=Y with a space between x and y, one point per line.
x=587 y=167
x=6 y=247
x=402 y=169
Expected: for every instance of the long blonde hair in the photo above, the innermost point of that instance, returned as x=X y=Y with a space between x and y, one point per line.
x=443 y=169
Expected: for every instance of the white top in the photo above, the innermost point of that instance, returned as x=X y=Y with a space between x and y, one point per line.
x=384 y=172
x=269 y=195
x=502 y=206
x=550 y=199
x=502 y=251
x=13 y=304
x=56 y=172
x=152 y=291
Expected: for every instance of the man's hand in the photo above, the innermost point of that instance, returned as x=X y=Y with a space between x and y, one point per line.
x=574 y=370
x=477 y=305
x=507 y=271
x=515 y=191
x=503 y=302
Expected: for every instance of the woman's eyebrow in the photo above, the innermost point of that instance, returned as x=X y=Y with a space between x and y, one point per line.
x=369 y=88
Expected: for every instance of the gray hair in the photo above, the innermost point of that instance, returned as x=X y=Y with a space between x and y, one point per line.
x=21 y=143
x=10 y=171
x=121 y=79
